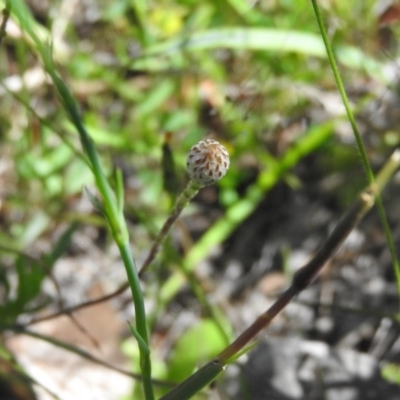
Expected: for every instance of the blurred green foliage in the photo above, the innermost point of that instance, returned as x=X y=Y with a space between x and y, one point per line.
x=141 y=69
x=391 y=372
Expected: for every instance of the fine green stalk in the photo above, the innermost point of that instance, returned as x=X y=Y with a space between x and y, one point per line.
x=360 y=145
x=110 y=205
x=187 y=194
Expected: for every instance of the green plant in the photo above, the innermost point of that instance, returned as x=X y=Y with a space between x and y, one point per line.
x=161 y=55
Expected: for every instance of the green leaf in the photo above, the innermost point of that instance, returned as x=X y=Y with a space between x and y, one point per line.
x=61 y=246
x=97 y=204
x=254 y=39
x=30 y=278
x=245 y=38
x=35 y=227
x=391 y=372
x=155 y=98
x=142 y=344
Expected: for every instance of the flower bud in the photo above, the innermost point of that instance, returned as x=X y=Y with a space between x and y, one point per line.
x=207 y=162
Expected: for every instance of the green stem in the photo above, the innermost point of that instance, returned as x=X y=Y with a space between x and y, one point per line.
x=141 y=323
x=111 y=203
x=342 y=92
x=360 y=145
x=187 y=194
x=118 y=229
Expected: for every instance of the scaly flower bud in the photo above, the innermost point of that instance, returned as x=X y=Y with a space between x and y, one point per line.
x=207 y=162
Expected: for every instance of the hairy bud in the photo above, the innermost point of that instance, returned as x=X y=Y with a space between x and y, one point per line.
x=207 y=162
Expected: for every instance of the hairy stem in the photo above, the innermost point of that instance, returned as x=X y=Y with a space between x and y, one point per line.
x=188 y=193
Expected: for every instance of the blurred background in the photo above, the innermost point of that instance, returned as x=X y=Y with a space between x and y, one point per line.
x=152 y=78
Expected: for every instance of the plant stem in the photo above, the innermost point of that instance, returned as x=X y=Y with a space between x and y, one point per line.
x=70 y=348
x=187 y=194
x=360 y=145
x=141 y=324
x=305 y=275
x=113 y=212
x=118 y=229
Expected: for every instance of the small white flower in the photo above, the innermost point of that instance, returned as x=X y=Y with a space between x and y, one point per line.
x=207 y=162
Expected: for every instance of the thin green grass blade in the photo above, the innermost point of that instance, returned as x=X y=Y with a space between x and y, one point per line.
x=113 y=214
x=142 y=344
x=360 y=145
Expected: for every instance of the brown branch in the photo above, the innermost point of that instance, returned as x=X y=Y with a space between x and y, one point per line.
x=302 y=278
x=69 y=310
x=305 y=275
